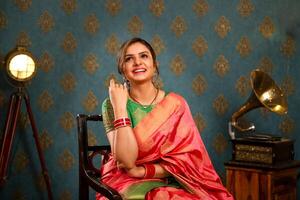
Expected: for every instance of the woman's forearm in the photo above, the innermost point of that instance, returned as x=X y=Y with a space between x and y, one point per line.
x=125 y=145
x=160 y=172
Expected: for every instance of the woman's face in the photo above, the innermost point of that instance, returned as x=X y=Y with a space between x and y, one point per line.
x=138 y=64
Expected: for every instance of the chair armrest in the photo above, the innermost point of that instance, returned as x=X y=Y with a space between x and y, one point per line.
x=101 y=187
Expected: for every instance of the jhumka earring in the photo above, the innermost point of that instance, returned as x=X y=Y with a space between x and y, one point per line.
x=127 y=83
x=156 y=80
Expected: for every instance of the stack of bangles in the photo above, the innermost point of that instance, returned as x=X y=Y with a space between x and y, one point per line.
x=122 y=122
x=149 y=170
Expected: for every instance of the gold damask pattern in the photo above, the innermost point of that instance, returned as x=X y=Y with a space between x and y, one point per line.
x=90 y=102
x=288 y=48
x=200 y=46
x=91 y=24
x=46 y=140
x=92 y=139
x=220 y=104
x=199 y=84
x=68 y=82
x=220 y=143
x=66 y=160
x=200 y=7
x=112 y=44
x=243 y=86
x=23 y=121
x=245 y=8
x=200 y=122
x=288 y=86
x=67 y=121
x=221 y=66
x=21 y=161
x=69 y=43
x=46 y=22
x=265 y=65
x=157 y=7
x=65 y=195
x=287 y=125
x=23 y=39
x=222 y=27
x=109 y=77
x=157 y=44
x=68 y=6
x=3 y=20
x=177 y=65
x=46 y=62
x=178 y=26
x=244 y=47
x=90 y=63
x=23 y=5
x=40 y=182
x=135 y=25
x=113 y=6
x=267 y=27
x=45 y=101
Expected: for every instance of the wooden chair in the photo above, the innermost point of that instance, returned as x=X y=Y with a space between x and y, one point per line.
x=89 y=175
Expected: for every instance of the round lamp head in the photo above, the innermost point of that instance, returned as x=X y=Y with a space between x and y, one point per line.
x=20 y=66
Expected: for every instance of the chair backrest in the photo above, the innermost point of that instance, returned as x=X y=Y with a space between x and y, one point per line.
x=89 y=175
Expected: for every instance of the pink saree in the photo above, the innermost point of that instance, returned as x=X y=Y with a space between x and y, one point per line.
x=168 y=136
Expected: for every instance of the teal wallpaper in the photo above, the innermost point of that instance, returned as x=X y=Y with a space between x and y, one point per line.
x=206 y=51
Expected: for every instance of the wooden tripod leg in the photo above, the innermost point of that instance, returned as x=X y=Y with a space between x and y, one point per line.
x=38 y=146
x=8 y=135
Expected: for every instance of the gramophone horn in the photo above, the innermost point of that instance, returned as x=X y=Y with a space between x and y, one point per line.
x=265 y=93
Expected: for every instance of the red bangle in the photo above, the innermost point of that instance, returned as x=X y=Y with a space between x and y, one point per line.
x=123 y=119
x=149 y=170
x=122 y=122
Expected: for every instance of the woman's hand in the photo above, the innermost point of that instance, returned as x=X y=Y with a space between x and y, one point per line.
x=118 y=95
x=137 y=172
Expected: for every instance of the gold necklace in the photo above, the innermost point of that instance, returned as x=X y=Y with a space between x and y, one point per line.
x=145 y=106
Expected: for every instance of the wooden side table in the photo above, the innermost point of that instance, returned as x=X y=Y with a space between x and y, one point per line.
x=250 y=181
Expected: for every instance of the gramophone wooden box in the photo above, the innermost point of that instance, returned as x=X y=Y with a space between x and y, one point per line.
x=270 y=152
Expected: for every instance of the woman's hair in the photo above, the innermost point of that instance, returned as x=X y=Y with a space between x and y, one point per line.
x=124 y=47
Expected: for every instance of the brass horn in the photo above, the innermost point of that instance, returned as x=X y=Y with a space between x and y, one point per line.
x=265 y=93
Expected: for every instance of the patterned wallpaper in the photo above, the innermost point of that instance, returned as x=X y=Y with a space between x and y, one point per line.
x=206 y=51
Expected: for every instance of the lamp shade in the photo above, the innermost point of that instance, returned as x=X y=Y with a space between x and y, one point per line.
x=20 y=65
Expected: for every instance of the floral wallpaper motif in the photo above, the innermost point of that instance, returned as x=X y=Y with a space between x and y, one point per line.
x=205 y=51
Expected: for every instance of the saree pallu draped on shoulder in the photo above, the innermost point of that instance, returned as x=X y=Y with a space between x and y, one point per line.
x=168 y=136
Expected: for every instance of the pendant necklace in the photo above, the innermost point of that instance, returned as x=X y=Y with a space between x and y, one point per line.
x=146 y=106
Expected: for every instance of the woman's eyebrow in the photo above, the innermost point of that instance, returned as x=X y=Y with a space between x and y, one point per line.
x=143 y=52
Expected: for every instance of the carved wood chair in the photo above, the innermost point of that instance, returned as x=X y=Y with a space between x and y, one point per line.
x=89 y=175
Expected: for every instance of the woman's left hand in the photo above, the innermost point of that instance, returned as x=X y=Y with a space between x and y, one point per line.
x=137 y=172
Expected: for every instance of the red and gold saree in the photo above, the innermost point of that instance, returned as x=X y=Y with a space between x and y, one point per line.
x=168 y=135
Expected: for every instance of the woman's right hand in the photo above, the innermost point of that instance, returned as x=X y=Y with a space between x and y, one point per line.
x=118 y=95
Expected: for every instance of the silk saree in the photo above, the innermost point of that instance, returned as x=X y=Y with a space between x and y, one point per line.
x=168 y=135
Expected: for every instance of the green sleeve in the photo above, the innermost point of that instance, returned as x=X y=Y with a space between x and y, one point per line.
x=108 y=115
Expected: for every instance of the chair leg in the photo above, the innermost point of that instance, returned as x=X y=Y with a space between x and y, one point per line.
x=83 y=189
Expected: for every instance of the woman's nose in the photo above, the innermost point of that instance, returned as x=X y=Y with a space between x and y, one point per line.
x=137 y=61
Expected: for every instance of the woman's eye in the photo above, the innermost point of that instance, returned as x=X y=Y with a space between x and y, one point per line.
x=127 y=59
x=144 y=56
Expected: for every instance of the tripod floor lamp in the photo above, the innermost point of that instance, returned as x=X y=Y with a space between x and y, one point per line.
x=20 y=69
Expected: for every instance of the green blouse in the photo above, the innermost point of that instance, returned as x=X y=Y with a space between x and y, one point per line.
x=136 y=113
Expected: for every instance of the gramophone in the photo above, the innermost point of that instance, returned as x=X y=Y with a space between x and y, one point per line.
x=253 y=147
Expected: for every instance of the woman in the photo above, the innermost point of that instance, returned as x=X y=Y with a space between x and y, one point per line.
x=157 y=152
